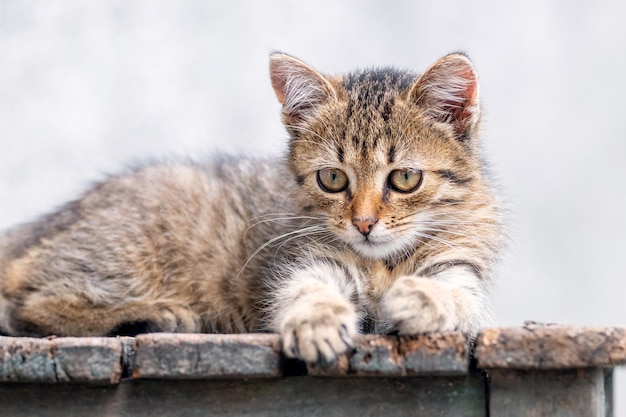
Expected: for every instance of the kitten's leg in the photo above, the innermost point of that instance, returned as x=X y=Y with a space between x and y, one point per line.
x=453 y=299
x=70 y=315
x=313 y=314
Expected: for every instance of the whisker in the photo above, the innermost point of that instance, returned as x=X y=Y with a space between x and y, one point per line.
x=273 y=240
x=278 y=219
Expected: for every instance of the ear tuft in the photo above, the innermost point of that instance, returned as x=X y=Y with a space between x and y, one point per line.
x=298 y=87
x=448 y=91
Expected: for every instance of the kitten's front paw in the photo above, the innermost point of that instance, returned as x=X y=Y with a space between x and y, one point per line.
x=417 y=305
x=319 y=331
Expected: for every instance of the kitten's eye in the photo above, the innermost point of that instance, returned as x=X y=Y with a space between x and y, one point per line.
x=405 y=180
x=332 y=180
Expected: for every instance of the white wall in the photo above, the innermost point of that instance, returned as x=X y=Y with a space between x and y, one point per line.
x=86 y=87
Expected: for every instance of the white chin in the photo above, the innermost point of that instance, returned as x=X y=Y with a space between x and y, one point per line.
x=374 y=250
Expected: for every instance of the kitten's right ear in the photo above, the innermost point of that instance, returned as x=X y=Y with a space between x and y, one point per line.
x=298 y=87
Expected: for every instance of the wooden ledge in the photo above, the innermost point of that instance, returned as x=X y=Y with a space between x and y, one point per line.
x=390 y=356
x=98 y=360
x=207 y=356
x=203 y=356
x=551 y=347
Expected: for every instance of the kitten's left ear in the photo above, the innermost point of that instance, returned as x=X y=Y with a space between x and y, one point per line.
x=299 y=87
x=448 y=91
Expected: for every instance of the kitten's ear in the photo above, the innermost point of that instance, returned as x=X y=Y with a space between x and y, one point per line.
x=298 y=87
x=448 y=91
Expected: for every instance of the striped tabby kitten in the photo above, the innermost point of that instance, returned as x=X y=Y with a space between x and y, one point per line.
x=380 y=219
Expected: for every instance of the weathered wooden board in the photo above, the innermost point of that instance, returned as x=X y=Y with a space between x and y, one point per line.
x=551 y=347
x=529 y=371
x=93 y=360
x=195 y=356
x=202 y=356
x=288 y=396
x=428 y=354
x=557 y=393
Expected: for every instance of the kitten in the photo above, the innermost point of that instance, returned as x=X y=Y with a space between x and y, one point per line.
x=380 y=219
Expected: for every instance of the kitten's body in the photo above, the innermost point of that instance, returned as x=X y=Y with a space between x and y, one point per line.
x=334 y=241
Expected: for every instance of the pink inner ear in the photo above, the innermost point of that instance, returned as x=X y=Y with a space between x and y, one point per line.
x=279 y=81
x=471 y=90
x=449 y=91
x=298 y=87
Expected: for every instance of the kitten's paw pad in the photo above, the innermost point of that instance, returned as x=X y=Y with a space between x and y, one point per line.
x=413 y=305
x=319 y=332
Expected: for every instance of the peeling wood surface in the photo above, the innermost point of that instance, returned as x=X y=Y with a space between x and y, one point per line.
x=203 y=356
x=94 y=360
x=551 y=347
x=424 y=355
x=530 y=371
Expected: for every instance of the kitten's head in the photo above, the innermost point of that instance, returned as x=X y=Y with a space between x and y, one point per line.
x=381 y=153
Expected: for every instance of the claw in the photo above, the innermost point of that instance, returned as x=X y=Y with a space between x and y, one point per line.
x=345 y=336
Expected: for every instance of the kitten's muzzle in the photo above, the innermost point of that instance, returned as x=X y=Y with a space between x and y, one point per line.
x=364 y=225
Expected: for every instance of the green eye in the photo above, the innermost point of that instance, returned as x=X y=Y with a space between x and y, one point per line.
x=405 y=180
x=332 y=180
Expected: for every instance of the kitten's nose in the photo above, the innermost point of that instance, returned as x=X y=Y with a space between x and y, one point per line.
x=364 y=225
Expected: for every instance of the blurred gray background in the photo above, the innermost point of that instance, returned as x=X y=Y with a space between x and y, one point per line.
x=88 y=86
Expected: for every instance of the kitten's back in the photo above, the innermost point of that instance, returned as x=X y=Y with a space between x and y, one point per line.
x=164 y=233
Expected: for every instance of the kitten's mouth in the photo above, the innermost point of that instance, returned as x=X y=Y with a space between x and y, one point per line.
x=370 y=248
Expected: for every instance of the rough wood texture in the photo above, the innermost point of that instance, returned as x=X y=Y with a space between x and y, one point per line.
x=92 y=360
x=429 y=354
x=533 y=371
x=201 y=356
x=558 y=393
x=551 y=347
x=289 y=397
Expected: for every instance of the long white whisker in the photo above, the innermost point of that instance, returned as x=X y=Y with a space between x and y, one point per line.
x=275 y=239
x=277 y=219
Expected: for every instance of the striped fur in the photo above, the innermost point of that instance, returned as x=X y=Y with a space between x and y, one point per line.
x=242 y=245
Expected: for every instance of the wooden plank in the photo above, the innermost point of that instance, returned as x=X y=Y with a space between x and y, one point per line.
x=551 y=347
x=435 y=354
x=558 y=393
x=288 y=396
x=198 y=356
x=91 y=360
x=422 y=355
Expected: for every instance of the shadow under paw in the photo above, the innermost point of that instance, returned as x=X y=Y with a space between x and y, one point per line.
x=133 y=328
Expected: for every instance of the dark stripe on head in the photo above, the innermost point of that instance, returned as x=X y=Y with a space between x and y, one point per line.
x=341 y=154
x=386 y=112
x=365 y=150
x=391 y=156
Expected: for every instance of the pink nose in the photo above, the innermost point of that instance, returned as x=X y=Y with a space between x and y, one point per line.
x=364 y=225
